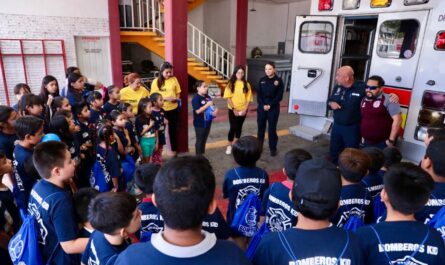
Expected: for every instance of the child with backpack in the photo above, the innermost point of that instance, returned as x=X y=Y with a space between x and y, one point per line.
x=106 y=170
x=8 y=134
x=277 y=208
x=355 y=200
x=146 y=129
x=158 y=114
x=184 y=194
x=314 y=240
x=29 y=130
x=109 y=237
x=203 y=113
x=242 y=181
x=400 y=239
x=52 y=206
x=82 y=199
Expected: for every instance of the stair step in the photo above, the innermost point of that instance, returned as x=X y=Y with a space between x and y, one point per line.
x=214 y=77
x=222 y=81
x=160 y=39
x=202 y=68
x=194 y=64
x=191 y=59
x=162 y=44
x=208 y=72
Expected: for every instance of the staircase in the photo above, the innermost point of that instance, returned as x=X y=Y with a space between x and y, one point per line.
x=142 y=22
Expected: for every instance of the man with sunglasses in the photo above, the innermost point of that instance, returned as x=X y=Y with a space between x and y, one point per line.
x=381 y=118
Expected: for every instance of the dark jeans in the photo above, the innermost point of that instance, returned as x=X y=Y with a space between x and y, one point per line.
x=172 y=117
x=270 y=117
x=343 y=136
x=201 y=139
x=236 y=125
x=381 y=145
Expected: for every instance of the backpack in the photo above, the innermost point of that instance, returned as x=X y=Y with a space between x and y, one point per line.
x=354 y=220
x=128 y=168
x=379 y=208
x=100 y=178
x=256 y=239
x=245 y=220
x=438 y=222
x=208 y=114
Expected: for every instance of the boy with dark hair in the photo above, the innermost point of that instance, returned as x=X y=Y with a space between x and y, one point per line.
x=183 y=191
x=434 y=164
x=82 y=199
x=374 y=180
x=84 y=139
x=315 y=194
x=400 y=239
x=108 y=240
x=277 y=207
x=52 y=205
x=95 y=102
x=432 y=133
x=29 y=130
x=355 y=200
x=391 y=157
x=113 y=101
x=7 y=130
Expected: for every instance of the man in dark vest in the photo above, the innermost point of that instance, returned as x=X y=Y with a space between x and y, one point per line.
x=381 y=119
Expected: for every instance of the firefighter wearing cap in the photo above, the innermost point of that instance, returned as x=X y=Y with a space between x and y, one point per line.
x=269 y=94
x=381 y=119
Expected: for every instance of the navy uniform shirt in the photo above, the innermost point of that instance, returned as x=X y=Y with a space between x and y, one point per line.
x=159 y=117
x=399 y=240
x=160 y=252
x=321 y=247
x=139 y=124
x=99 y=251
x=216 y=224
x=74 y=97
x=151 y=219
x=7 y=142
x=197 y=102
x=278 y=208
x=53 y=208
x=131 y=133
x=108 y=107
x=112 y=163
x=121 y=134
x=270 y=91
x=354 y=200
x=349 y=99
x=23 y=182
x=436 y=201
x=95 y=116
x=373 y=183
x=239 y=183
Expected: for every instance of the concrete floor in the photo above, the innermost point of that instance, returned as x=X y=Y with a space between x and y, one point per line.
x=216 y=144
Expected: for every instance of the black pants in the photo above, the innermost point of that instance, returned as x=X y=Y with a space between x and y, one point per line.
x=201 y=138
x=271 y=117
x=172 y=117
x=236 y=125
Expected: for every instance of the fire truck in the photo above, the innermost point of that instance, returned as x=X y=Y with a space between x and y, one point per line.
x=401 y=40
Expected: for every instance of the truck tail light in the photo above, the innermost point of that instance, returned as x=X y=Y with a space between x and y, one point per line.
x=440 y=41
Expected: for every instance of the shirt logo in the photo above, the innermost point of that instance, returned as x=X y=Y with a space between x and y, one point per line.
x=93 y=259
x=345 y=215
x=407 y=260
x=16 y=247
x=242 y=194
x=152 y=227
x=278 y=220
x=276 y=83
x=33 y=210
x=355 y=94
x=376 y=104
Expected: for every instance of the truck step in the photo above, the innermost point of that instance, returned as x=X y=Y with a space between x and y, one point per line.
x=306 y=133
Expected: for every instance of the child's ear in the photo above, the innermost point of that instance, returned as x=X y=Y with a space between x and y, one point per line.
x=383 y=196
x=212 y=206
x=153 y=199
x=55 y=171
x=426 y=163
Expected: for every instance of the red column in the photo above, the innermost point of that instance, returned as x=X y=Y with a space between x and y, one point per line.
x=175 y=22
x=115 y=42
x=241 y=32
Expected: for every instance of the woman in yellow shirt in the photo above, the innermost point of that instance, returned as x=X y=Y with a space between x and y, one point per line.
x=168 y=86
x=133 y=92
x=238 y=94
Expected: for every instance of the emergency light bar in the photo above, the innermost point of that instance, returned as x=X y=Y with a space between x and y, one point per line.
x=380 y=3
x=351 y=4
x=440 y=41
x=415 y=2
x=325 y=5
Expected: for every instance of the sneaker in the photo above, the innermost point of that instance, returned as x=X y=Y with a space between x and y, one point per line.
x=229 y=150
x=273 y=153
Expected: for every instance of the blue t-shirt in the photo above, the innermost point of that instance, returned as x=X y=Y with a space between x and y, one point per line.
x=140 y=123
x=399 y=240
x=131 y=132
x=354 y=200
x=239 y=183
x=112 y=163
x=321 y=247
x=74 y=97
x=373 y=183
x=108 y=107
x=159 y=117
x=160 y=252
x=7 y=142
x=53 y=208
x=197 y=102
x=99 y=251
x=216 y=224
x=436 y=201
x=121 y=134
x=23 y=182
x=278 y=208
x=95 y=116
x=151 y=219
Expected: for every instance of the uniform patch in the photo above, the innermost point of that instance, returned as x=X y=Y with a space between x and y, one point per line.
x=276 y=82
x=376 y=104
x=203 y=102
x=355 y=94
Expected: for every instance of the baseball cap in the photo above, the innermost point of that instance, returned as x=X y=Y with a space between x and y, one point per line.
x=317 y=177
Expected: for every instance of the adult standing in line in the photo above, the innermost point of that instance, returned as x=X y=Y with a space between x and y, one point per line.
x=238 y=94
x=269 y=94
x=168 y=86
x=133 y=92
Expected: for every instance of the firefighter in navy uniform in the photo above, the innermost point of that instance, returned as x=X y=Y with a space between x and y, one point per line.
x=269 y=94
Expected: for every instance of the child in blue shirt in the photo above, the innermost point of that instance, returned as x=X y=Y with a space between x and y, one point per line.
x=95 y=103
x=52 y=206
x=374 y=180
x=201 y=101
x=184 y=194
x=277 y=208
x=314 y=240
x=19 y=90
x=85 y=140
x=354 y=197
x=108 y=239
x=7 y=130
x=158 y=114
x=113 y=99
x=29 y=130
x=400 y=239
x=82 y=199
x=146 y=129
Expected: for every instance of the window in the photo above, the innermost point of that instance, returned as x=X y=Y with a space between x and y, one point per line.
x=316 y=37
x=398 y=38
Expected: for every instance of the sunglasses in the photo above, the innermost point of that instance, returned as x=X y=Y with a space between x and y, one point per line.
x=371 y=87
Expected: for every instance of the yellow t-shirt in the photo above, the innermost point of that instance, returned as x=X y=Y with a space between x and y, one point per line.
x=170 y=89
x=128 y=95
x=239 y=99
